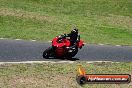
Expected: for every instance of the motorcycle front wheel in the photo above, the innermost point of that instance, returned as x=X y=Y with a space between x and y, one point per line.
x=48 y=53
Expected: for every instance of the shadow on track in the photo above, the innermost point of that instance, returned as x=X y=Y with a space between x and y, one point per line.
x=73 y=59
x=70 y=59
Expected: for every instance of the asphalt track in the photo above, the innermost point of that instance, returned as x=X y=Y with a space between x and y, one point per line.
x=22 y=50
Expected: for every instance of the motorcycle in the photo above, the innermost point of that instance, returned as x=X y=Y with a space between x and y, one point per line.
x=61 y=48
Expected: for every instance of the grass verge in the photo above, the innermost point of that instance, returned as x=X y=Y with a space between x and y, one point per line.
x=99 y=21
x=58 y=75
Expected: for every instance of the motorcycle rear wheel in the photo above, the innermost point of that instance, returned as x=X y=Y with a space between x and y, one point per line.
x=70 y=55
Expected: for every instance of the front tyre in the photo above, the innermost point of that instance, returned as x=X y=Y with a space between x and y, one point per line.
x=48 y=53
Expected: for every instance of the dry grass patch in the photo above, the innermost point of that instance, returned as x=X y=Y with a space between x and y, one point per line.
x=58 y=75
x=25 y=14
x=39 y=81
x=117 y=20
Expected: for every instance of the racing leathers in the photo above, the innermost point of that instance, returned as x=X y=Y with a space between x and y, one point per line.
x=74 y=38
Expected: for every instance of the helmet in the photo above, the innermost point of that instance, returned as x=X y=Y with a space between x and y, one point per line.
x=74 y=31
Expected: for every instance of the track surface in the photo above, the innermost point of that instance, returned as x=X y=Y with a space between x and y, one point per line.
x=13 y=50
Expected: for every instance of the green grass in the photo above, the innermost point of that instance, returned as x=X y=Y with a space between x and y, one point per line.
x=49 y=75
x=99 y=21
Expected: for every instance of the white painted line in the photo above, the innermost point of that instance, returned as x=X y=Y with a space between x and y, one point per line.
x=101 y=44
x=71 y=62
x=84 y=43
x=29 y=62
x=98 y=61
x=115 y=62
x=33 y=40
x=66 y=62
x=117 y=45
x=18 y=39
x=49 y=41
x=2 y=38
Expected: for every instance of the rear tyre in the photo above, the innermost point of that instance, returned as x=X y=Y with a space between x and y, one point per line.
x=72 y=54
x=48 y=53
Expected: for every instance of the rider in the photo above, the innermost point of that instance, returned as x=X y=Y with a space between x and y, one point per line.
x=74 y=36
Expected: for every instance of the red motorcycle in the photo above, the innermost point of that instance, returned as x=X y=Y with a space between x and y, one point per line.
x=61 y=48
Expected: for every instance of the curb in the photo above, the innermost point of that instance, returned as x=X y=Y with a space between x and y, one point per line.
x=59 y=62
